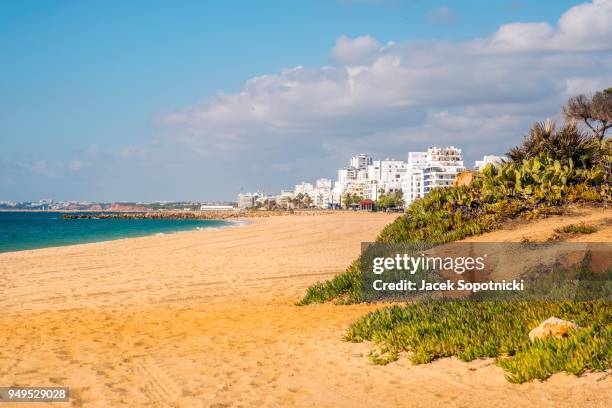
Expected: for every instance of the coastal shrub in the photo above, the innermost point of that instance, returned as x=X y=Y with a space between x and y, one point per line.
x=539 y=186
x=581 y=228
x=471 y=330
x=565 y=143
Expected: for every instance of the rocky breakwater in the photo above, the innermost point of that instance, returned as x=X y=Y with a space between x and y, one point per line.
x=157 y=215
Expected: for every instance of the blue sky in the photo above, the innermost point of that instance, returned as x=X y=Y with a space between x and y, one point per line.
x=119 y=100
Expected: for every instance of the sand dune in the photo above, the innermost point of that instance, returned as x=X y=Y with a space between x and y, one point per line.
x=206 y=318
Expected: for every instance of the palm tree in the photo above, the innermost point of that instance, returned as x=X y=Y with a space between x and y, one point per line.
x=307 y=201
x=346 y=200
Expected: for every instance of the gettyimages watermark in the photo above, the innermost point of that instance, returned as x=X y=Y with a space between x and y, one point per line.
x=476 y=271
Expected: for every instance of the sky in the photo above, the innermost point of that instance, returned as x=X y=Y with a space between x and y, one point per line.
x=192 y=100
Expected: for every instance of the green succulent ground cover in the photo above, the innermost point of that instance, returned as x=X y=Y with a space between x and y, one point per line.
x=498 y=329
x=581 y=228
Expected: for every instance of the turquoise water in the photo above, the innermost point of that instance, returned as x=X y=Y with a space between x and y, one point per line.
x=31 y=230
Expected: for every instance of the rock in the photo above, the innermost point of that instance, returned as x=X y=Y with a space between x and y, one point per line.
x=553 y=326
x=464 y=178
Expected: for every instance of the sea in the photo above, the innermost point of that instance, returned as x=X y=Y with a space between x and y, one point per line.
x=32 y=230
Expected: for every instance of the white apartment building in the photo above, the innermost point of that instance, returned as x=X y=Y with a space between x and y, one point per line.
x=386 y=171
x=303 y=188
x=284 y=199
x=347 y=174
x=392 y=172
x=489 y=159
x=442 y=166
x=322 y=194
x=372 y=189
x=358 y=187
x=246 y=200
x=412 y=183
x=385 y=175
x=336 y=193
x=351 y=179
x=262 y=198
x=323 y=183
x=361 y=161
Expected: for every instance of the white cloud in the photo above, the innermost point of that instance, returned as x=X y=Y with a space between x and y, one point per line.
x=42 y=167
x=585 y=27
x=399 y=88
x=584 y=85
x=354 y=50
x=588 y=25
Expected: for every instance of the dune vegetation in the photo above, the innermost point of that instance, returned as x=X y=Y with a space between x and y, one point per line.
x=551 y=169
x=581 y=228
x=470 y=330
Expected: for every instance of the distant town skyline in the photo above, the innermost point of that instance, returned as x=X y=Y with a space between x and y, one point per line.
x=146 y=101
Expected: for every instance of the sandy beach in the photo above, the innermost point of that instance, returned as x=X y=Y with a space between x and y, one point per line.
x=207 y=318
